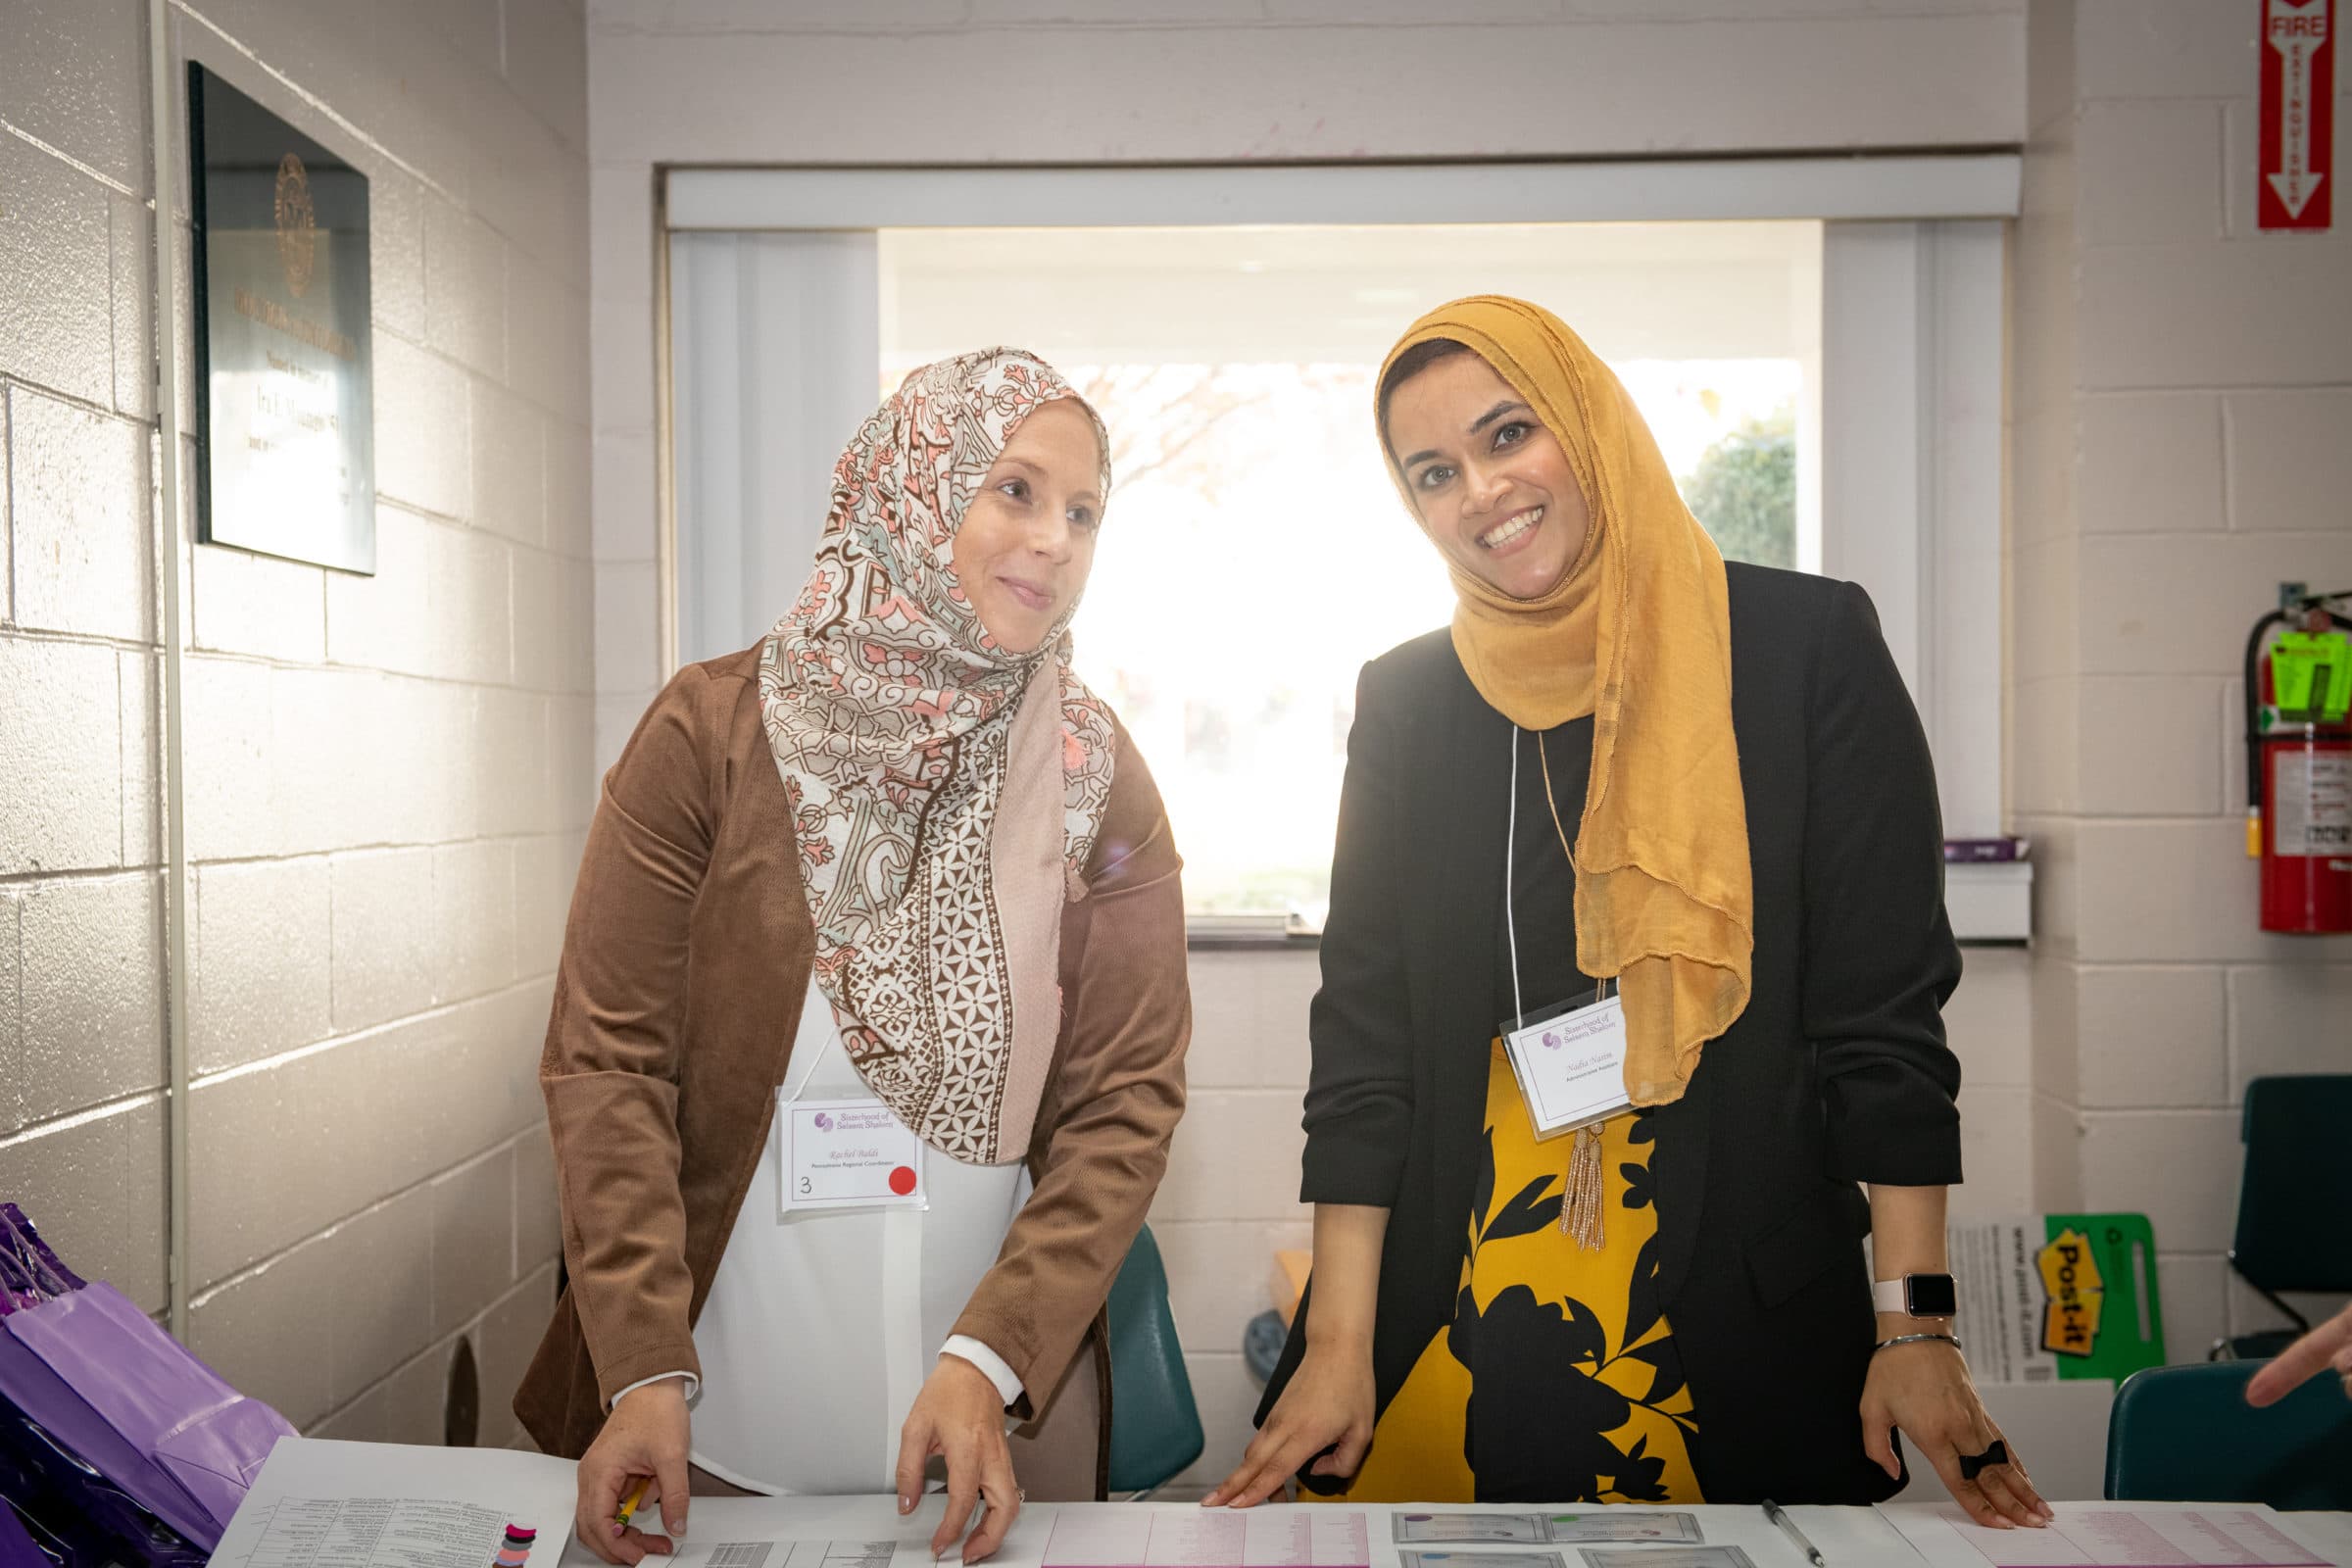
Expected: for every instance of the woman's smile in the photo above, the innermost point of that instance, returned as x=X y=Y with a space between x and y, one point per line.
x=1027 y=592
x=1515 y=533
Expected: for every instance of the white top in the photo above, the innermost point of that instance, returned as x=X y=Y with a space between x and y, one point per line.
x=821 y=1327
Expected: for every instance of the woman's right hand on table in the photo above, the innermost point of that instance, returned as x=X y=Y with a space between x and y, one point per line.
x=646 y=1435
x=1328 y=1405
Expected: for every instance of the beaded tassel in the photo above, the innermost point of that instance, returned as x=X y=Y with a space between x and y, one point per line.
x=1580 y=1208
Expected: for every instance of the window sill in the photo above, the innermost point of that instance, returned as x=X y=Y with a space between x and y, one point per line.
x=1990 y=905
x=1248 y=933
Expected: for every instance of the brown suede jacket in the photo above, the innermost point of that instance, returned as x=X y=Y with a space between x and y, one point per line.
x=685 y=962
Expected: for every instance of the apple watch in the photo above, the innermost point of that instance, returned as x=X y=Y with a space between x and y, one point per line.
x=1917 y=1296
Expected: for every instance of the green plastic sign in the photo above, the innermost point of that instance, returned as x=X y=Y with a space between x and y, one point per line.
x=2311 y=676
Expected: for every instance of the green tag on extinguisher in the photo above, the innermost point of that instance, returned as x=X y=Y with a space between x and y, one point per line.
x=2311 y=676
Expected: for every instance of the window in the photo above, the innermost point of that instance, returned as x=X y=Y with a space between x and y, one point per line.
x=1827 y=392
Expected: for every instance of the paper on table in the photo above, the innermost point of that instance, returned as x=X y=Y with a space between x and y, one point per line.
x=786 y=1555
x=319 y=1503
x=1624 y=1524
x=2106 y=1534
x=1408 y=1527
x=1535 y=1529
x=1667 y=1557
x=1480 y=1559
x=1193 y=1537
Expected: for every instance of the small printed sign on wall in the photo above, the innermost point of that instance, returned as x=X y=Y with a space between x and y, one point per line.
x=2298 y=114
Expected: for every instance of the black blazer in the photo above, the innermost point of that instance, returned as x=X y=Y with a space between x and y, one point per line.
x=1837 y=1073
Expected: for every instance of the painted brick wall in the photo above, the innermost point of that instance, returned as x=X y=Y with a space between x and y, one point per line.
x=388 y=778
x=2180 y=410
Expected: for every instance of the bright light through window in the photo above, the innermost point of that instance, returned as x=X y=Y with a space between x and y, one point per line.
x=1254 y=552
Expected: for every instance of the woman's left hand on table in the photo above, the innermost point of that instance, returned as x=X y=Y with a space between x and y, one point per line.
x=1924 y=1389
x=961 y=1416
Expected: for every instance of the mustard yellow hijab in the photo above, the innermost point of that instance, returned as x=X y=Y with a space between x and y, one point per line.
x=1638 y=634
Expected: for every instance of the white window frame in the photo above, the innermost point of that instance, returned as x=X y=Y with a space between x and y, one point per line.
x=1912 y=338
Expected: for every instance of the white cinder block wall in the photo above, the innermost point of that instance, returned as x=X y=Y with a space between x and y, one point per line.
x=746 y=81
x=388 y=778
x=2180 y=449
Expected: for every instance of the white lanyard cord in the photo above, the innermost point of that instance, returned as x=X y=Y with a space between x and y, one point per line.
x=1602 y=988
x=816 y=1058
x=1510 y=919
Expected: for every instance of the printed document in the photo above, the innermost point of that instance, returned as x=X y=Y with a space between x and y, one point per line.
x=2107 y=1535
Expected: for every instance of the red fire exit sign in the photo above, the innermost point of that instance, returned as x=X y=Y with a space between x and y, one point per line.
x=2298 y=119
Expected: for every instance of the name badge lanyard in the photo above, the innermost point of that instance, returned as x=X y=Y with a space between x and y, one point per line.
x=1581 y=1205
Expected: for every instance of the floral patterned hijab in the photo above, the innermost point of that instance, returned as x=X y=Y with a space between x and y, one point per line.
x=944 y=793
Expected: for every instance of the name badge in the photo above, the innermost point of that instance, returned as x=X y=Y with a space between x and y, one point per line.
x=1570 y=1063
x=847 y=1153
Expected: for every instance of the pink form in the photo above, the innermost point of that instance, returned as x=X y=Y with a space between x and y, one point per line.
x=1257 y=1538
x=2094 y=1536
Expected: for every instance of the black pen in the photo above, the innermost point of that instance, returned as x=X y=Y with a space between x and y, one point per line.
x=1780 y=1516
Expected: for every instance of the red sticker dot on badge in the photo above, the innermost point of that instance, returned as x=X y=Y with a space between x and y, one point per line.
x=902 y=1180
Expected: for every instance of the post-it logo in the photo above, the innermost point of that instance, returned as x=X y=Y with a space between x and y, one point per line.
x=2073 y=1294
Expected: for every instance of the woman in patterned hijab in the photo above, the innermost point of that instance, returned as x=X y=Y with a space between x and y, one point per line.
x=890 y=695
x=894 y=868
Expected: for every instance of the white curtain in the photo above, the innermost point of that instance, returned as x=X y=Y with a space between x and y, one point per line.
x=775 y=357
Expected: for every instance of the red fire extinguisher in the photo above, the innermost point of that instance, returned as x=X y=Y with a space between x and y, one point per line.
x=2299 y=767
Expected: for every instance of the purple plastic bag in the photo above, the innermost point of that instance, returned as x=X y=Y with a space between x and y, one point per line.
x=27 y=1382
x=152 y=1389
x=29 y=1273
x=16 y=1549
x=75 y=1515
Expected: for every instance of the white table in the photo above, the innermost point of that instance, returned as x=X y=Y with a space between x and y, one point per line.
x=1849 y=1537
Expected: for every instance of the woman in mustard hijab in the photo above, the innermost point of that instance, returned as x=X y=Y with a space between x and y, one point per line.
x=1630 y=985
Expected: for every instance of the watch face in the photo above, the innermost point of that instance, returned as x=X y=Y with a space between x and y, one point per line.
x=1932 y=1295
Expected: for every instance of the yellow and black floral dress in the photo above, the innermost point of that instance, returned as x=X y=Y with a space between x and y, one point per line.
x=1557 y=1379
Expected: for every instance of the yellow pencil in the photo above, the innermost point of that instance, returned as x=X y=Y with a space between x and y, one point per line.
x=628 y=1505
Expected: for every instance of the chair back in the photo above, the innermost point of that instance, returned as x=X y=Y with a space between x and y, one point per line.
x=2186 y=1434
x=2295 y=1130
x=1155 y=1425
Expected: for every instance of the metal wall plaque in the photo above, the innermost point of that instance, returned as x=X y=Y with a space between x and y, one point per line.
x=286 y=435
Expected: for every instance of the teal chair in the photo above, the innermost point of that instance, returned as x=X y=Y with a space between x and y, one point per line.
x=1155 y=1426
x=2294 y=1131
x=2186 y=1434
